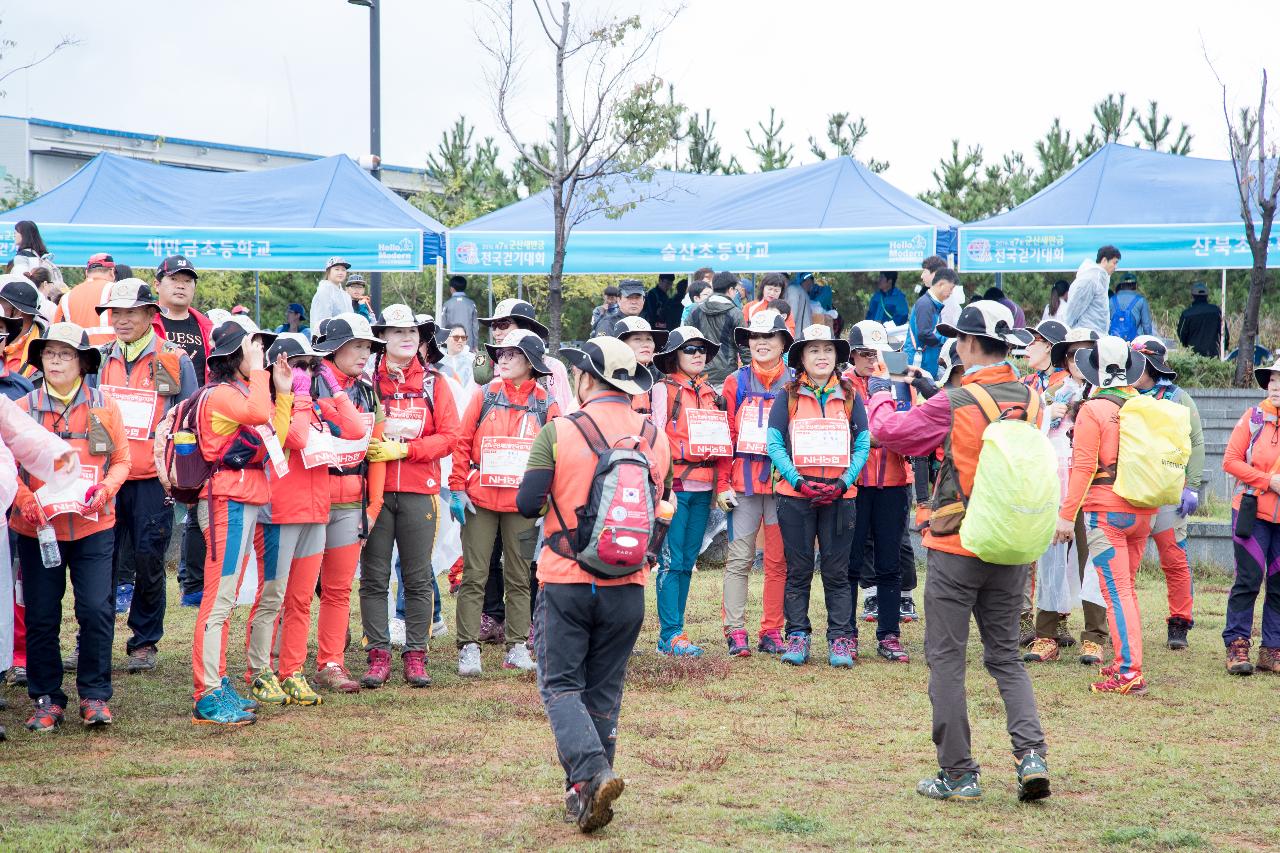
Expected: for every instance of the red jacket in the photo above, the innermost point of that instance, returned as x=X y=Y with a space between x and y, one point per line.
x=884 y=468
x=403 y=402
x=206 y=333
x=501 y=421
x=302 y=495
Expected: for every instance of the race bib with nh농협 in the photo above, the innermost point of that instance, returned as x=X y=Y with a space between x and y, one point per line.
x=503 y=461
x=71 y=498
x=323 y=448
x=279 y=465
x=137 y=409
x=753 y=428
x=820 y=442
x=404 y=424
x=708 y=432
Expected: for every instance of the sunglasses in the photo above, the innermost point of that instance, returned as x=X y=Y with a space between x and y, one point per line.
x=502 y=325
x=694 y=349
x=865 y=353
x=509 y=352
x=761 y=336
x=457 y=337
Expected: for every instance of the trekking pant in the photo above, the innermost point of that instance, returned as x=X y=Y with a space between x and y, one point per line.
x=906 y=563
x=494 y=607
x=832 y=525
x=956 y=588
x=89 y=562
x=1116 y=542
x=744 y=524
x=684 y=541
x=881 y=516
x=228 y=528
x=407 y=520
x=1257 y=559
x=337 y=571
x=583 y=639
x=1169 y=530
x=519 y=535
x=191 y=555
x=146 y=512
x=283 y=551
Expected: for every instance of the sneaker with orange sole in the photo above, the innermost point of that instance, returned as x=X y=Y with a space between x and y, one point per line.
x=1042 y=650
x=1132 y=684
x=1090 y=653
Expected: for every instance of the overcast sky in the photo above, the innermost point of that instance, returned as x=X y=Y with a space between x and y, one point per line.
x=293 y=74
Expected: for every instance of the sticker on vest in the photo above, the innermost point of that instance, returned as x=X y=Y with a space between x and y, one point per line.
x=404 y=424
x=137 y=409
x=820 y=442
x=708 y=432
x=279 y=465
x=503 y=461
x=753 y=428
x=71 y=498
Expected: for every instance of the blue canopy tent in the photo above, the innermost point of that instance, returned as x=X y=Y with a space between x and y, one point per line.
x=291 y=218
x=835 y=215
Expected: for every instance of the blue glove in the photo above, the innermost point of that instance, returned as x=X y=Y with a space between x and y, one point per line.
x=1190 y=500
x=876 y=384
x=456 y=507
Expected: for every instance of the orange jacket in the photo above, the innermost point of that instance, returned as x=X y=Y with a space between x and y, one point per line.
x=80 y=306
x=685 y=393
x=347 y=489
x=884 y=468
x=401 y=393
x=142 y=377
x=302 y=495
x=228 y=409
x=508 y=418
x=749 y=473
x=15 y=353
x=1264 y=461
x=1095 y=447
x=112 y=469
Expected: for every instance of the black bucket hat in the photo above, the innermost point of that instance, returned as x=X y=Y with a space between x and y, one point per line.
x=528 y=343
x=12 y=327
x=948 y=360
x=19 y=292
x=987 y=318
x=73 y=336
x=1078 y=335
x=763 y=322
x=290 y=345
x=1263 y=374
x=681 y=335
x=612 y=362
x=1156 y=352
x=816 y=332
x=344 y=328
x=228 y=337
x=1051 y=331
x=519 y=312
x=1111 y=363
x=624 y=326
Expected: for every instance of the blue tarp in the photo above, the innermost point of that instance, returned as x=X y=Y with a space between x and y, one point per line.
x=292 y=218
x=833 y=215
x=1162 y=211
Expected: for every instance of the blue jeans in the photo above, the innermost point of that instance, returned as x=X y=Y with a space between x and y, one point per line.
x=684 y=540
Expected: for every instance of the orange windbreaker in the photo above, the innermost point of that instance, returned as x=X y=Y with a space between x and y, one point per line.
x=1095 y=445
x=750 y=473
x=1263 y=463
x=884 y=468
x=227 y=409
x=501 y=421
x=302 y=495
x=684 y=393
x=401 y=393
x=346 y=489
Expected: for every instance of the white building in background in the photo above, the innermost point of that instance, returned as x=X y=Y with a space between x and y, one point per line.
x=46 y=153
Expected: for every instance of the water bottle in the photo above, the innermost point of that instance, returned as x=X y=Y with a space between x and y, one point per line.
x=661 y=524
x=49 y=553
x=1063 y=396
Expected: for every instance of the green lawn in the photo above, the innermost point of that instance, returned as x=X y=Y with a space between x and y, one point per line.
x=717 y=754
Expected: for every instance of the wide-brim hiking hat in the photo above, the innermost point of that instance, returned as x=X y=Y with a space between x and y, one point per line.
x=665 y=360
x=612 y=362
x=291 y=345
x=816 y=332
x=1156 y=352
x=1078 y=335
x=625 y=326
x=336 y=262
x=527 y=342
x=129 y=293
x=519 y=312
x=948 y=360
x=73 y=336
x=868 y=334
x=764 y=322
x=1050 y=331
x=11 y=327
x=434 y=353
x=228 y=337
x=986 y=318
x=400 y=316
x=1111 y=363
x=345 y=328
x=1261 y=374
x=18 y=291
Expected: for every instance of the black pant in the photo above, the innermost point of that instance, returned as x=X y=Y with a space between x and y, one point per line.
x=494 y=590
x=906 y=560
x=800 y=522
x=146 y=513
x=89 y=562
x=881 y=519
x=125 y=567
x=191 y=561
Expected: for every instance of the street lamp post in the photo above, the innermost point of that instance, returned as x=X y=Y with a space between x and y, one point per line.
x=375 y=120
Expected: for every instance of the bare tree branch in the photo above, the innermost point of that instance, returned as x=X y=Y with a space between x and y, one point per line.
x=67 y=41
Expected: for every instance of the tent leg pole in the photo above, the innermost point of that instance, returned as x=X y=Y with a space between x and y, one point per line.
x=375 y=291
x=257 y=300
x=490 y=295
x=519 y=287
x=1222 y=332
x=439 y=286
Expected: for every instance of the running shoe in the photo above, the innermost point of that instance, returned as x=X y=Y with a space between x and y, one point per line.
x=45 y=715
x=245 y=703
x=596 y=800
x=739 y=647
x=797 y=653
x=1177 y=633
x=491 y=630
x=267 y=690
x=907 y=609
x=216 y=708
x=94 y=712
x=964 y=788
x=1033 y=777
x=299 y=691
x=679 y=646
x=1132 y=684
x=16 y=677
x=1238 y=662
x=396 y=632
x=192 y=599
x=843 y=652
x=1042 y=650
x=142 y=659
x=414 y=666
x=1063 y=636
x=469 y=660
x=870 y=609
x=379 y=669
x=518 y=657
x=333 y=676
x=1090 y=653
x=439 y=629
x=890 y=648
x=1026 y=629
x=771 y=643
x=71 y=662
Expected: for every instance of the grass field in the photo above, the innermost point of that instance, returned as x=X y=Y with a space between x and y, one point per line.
x=717 y=754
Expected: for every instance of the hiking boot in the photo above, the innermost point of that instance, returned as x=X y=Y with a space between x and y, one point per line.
x=907 y=609
x=596 y=799
x=1268 y=659
x=1178 y=628
x=1026 y=629
x=771 y=643
x=1063 y=637
x=518 y=658
x=890 y=648
x=572 y=803
x=797 y=653
x=491 y=630
x=71 y=662
x=192 y=599
x=216 y=708
x=300 y=692
x=1132 y=684
x=739 y=647
x=244 y=703
x=1033 y=777
x=415 y=669
x=379 y=669
x=843 y=652
x=266 y=689
x=679 y=646
x=1090 y=653
x=1238 y=657
x=124 y=598
x=1042 y=650
x=94 y=712
x=142 y=659
x=439 y=629
x=870 y=609
x=16 y=677
x=45 y=716
x=333 y=676
x=964 y=788
x=469 y=660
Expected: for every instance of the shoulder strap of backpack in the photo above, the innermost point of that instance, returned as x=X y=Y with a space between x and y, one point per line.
x=486 y=405
x=590 y=432
x=675 y=400
x=987 y=403
x=1256 y=423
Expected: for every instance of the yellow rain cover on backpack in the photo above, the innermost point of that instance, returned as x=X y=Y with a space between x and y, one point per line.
x=1155 y=444
x=1013 y=511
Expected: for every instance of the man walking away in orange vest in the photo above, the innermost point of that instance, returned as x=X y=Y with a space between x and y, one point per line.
x=80 y=304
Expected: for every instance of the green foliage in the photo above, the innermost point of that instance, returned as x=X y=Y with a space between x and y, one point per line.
x=771 y=151
x=845 y=136
x=471 y=182
x=704 y=156
x=1196 y=371
x=17 y=192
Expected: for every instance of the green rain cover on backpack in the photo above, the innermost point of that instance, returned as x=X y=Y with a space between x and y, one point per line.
x=1013 y=510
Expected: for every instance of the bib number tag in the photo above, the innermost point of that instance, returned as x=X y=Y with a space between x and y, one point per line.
x=503 y=461
x=279 y=465
x=753 y=428
x=820 y=443
x=70 y=499
x=137 y=409
x=708 y=432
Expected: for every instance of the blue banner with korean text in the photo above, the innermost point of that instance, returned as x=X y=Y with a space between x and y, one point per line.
x=1142 y=247
x=615 y=252
x=144 y=247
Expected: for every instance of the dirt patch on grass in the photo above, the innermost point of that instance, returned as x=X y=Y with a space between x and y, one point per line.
x=656 y=672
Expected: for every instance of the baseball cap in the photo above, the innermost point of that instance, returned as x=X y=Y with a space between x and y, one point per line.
x=174 y=264
x=336 y=261
x=100 y=261
x=1199 y=289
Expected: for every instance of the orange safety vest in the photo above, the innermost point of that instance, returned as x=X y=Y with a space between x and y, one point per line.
x=80 y=306
x=751 y=473
x=801 y=405
x=683 y=394
x=166 y=383
x=491 y=415
x=420 y=398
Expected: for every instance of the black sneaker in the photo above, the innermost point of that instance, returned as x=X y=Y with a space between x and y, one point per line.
x=1178 y=628
x=573 y=803
x=596 y=798
x=870 y=610
x=142 y=659
x=1033 y=777
x=907 y=609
